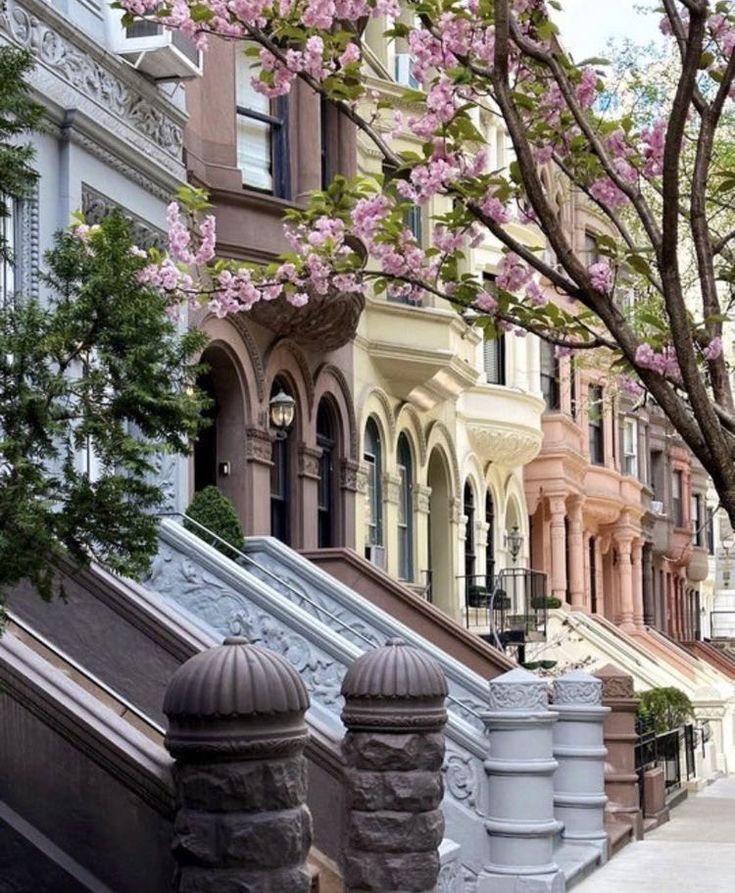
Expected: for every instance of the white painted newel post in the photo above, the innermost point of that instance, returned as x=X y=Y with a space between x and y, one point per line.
x=579 y=782
x=520 y=770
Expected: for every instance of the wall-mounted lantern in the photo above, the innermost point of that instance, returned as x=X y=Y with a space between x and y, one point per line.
x=282 y=410
x=514 y=542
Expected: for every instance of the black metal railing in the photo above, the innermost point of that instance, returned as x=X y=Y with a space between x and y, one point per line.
x=508 y=609
x=673 y=751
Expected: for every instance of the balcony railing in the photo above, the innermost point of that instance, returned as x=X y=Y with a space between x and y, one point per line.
x=507 y=610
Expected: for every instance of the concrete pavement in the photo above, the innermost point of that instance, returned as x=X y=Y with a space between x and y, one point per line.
x=694 y=852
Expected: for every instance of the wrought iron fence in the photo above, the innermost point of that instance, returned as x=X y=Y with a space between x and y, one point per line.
x=672 y=751
x=508 y=609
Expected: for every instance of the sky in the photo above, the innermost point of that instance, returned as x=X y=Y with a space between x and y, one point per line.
x=587 y=25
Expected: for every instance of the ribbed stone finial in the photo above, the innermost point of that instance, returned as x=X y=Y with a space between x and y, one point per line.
x=244 y=692
x=395 y=687
x=577 y=687
x=518 y=690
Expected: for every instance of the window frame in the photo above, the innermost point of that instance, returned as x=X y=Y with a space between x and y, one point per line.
x=374 y=460
x=404 y=464
x=277 y=120
x=696 y=519
x=596 y=426
x=677 y=501
x=631 y=469
x=9 y=238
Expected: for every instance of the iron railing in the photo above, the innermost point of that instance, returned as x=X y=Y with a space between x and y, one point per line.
x=508 y=609
x=673 y=751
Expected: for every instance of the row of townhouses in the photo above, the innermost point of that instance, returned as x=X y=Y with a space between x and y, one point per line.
x=489 y=500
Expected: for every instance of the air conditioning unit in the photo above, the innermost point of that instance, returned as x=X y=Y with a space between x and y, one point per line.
x=657 y=507
x=376 y=555
x=404 y=62
x=160 y=53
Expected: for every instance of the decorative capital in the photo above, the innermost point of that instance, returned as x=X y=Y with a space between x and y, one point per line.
x=616 y=683
x=577 y=687
x=394 y=688
x=518 y=691
x=258 y=445
x=309 y=459
x=349 y=475
x=422 y=498
x=391 y=488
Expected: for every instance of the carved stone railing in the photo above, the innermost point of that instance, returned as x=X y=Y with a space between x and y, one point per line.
x=221 y=597
x=352 y=616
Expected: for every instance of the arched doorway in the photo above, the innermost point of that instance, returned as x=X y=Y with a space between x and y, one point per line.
x=373 y=459
x=327 y=433
x=405 y=509
x=219 y=455
x=282 y=475
x=440 y=535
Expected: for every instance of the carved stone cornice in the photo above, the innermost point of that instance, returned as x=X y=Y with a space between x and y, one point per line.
x=74 y=72
x=96 y=206
x=504 y=446
x=258 y=446
x=422 y=499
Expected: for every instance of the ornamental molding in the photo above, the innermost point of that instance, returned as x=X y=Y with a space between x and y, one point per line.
x=391 y=488
x=349 y=475
x=309 y=459
x=163 y=193
x=258 y=446
x=75 y=73
x=455 y=511
x=511 y=696
x=239 y=323
x=96 y=206
x=617 y=687
x=421 y=499
x=28 y=253
x=578 y=688
x=505 y=446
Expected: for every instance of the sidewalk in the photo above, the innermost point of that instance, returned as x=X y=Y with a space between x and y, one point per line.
x=695 y=851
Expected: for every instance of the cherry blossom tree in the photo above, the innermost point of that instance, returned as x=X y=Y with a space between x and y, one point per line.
x=664 y=192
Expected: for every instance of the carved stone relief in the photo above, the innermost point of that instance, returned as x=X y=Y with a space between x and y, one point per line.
x=96 y=206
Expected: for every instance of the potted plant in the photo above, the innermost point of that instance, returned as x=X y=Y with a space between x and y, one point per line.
x=545 y=603
x=502 y=601
x=213 y=513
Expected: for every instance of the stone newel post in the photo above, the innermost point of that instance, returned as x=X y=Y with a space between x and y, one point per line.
x=621 y=779
x=394 y=750
x=520 y=770
x=579 y=782
x=237 y=733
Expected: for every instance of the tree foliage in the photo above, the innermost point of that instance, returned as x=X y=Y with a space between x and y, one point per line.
x=97 y=372
x=665 y=708
x=657 y=184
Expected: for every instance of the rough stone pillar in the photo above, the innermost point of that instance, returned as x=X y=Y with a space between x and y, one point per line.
x=237 y=733
x=394 y=749
x=621 y=780
x=558 y=509
x=520 y=769
x=579 y=782
x=576 y=555
x=625 y=574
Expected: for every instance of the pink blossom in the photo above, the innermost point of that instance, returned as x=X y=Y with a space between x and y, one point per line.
x=654 y=142
x=713 y=351
x=486 y=302
x=607 y=193
x=586 y=90
x=513 y=273
x=601 y=277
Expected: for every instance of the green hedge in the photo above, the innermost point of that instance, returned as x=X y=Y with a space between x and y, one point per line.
x=213 y=510
x=665 y=708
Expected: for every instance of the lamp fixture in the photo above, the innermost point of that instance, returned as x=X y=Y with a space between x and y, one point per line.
x=514 y=542
x=282 y=410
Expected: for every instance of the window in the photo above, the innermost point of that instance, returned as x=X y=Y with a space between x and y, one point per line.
x=573 y=387
x=405 y=510
x=494 y=359
x=596 y=427
x=550 y=377
x=326 y=440
x=697 y=520
x=414 y=222
x=7 y=246
x=711 y=530
x=262 y=135
x=677 y=498
x=591 y=249
x=469 y=541
x=630 y=447
x=373 y=458
x=490 y=553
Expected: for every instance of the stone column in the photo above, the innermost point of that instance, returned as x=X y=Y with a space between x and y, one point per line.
x=576 y=555
x=637 y=560
x=621 y=780
x=422 y=508
x=579 y=782
x=649 y=590
x=259 y=456
x=307 y=499
x=520 y=806
x=625 y=576
x=237 y=734
x=393 y=751
x=558 y=509
x=391 y=498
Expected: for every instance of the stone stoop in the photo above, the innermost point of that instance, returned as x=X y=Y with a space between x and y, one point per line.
x=577 y=861
x=619 y=834
x=326 y=876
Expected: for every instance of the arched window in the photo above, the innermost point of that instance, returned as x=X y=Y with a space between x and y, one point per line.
x=405 y=510
x=490 y=552
x=326 y=439
x=469 y=542
x=373 y=458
